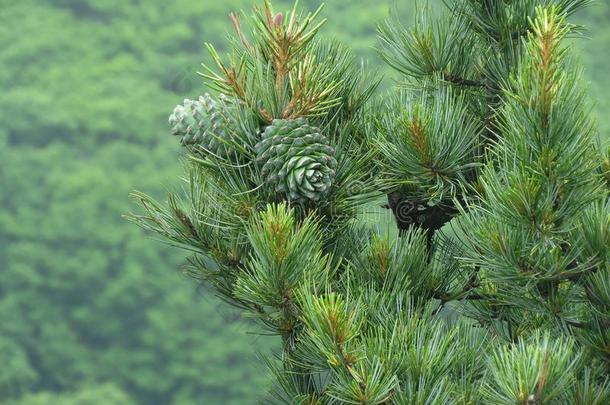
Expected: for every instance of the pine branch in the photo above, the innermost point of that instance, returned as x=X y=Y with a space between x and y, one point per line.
x=493 y=137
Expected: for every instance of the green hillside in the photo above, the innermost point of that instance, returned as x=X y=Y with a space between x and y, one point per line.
x=92 y=311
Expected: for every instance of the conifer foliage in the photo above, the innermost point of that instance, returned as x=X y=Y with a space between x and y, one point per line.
x=497 y=290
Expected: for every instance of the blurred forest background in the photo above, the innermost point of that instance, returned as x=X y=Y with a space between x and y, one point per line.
x=91 y=310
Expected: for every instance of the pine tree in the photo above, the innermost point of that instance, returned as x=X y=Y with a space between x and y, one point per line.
x=497 y=289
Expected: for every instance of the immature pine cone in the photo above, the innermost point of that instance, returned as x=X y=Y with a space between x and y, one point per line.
x=204 y=123
x=296 y=159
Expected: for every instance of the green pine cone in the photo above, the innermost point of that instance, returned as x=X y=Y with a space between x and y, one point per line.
x=203 y=123
x=296 y=159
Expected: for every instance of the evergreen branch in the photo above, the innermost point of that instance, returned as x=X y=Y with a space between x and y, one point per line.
x=495 y=138
x=430 y=48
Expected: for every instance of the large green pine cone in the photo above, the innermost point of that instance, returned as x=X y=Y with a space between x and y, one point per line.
x=203 y=123
x=296 y=159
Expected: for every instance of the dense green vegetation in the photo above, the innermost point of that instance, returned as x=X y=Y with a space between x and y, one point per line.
x=91 y=310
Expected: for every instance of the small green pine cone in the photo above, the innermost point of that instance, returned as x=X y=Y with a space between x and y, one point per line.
x=203 y=123
x=296 y=159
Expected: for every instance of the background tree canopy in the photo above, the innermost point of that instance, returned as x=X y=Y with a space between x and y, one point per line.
x=91 y=310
